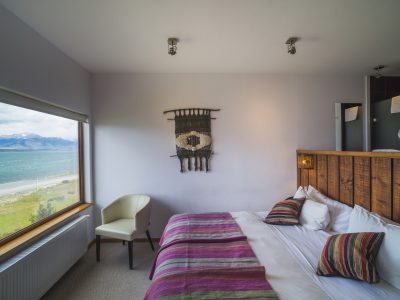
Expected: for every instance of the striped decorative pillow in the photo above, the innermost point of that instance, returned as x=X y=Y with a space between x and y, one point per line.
x=351 y=255
x=286 y=212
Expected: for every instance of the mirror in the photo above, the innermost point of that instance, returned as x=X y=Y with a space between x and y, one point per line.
x=385 y=125
x=385 y=113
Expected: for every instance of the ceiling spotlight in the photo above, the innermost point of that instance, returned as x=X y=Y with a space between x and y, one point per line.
x=172 y=46
x=378 y=70
x=291 y=47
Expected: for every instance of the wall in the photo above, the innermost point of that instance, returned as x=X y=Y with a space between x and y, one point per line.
x=31 y=65
x=263 y=120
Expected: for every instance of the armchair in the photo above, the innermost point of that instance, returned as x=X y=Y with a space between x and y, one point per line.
x=126 y=218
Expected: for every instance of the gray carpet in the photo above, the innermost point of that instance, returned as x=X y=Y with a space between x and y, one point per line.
x=108 y=279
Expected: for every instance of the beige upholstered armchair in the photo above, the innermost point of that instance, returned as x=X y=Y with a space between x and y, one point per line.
x=126 y=218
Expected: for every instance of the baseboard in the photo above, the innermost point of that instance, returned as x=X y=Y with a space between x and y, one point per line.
x=91 y=243
x=109 y=240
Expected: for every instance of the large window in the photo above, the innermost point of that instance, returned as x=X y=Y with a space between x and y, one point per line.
x=40 y=172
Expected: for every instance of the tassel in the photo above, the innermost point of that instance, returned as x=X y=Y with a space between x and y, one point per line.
x=201 y=163
x=195 y=163
x=206 y=164
x=181 y=161
x=189 y=164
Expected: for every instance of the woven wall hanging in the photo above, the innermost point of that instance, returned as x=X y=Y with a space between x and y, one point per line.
x=193 y=137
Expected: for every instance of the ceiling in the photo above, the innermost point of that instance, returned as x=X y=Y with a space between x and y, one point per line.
x=220 y=36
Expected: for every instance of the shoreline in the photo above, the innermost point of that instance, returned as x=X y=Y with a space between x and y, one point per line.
x=25 y=186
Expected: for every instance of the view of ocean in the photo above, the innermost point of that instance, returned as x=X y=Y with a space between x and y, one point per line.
x=18 y=165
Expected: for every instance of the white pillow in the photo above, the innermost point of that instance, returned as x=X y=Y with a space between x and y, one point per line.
x=388 y=259
x=314 y=215
x=301 y=193
x=383 y=219
x=339 y=212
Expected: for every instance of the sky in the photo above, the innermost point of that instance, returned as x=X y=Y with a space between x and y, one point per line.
x=14 y=120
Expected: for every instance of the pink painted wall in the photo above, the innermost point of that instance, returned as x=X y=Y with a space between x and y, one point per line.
x=263 y=120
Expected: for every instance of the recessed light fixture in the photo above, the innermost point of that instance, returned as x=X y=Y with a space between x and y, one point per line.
x=291 y=47
x=378 y=70
x=172 y=45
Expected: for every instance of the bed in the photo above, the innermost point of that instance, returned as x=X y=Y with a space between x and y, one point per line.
x=254 y=260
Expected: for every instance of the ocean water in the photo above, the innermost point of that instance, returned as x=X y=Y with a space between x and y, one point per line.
x=39 y=164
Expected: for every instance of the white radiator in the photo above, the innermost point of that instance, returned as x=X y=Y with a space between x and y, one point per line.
x=32 y=272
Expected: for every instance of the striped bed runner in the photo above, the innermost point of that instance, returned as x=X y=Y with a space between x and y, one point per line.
x=198 y=228
x=206 y=256
x=232 y=283
x=181 y=257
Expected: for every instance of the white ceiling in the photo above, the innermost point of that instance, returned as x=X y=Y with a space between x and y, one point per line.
x=220 y=36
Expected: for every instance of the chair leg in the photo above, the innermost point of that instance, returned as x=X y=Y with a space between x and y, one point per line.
x=130 y=244
x=98 y=247
x=150 y=241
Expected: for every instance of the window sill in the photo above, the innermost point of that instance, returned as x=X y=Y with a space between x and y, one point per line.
x=26 y=237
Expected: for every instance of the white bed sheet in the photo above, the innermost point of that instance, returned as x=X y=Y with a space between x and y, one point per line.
x=290 y=255
x=283 y=272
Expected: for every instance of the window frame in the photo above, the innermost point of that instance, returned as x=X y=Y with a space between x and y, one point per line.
x=81 y=172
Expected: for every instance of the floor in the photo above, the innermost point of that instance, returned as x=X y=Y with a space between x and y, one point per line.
x=108 y=279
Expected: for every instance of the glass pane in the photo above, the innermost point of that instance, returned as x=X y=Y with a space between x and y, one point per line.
x=39 y=166
x=385 y=126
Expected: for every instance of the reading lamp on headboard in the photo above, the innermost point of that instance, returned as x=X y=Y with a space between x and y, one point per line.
x=305 y=161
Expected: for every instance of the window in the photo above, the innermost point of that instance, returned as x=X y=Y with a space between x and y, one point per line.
x=40 y=167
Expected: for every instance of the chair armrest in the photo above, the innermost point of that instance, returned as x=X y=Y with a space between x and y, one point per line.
x=111 y=212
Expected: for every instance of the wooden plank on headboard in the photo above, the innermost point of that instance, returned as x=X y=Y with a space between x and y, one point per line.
x=304 y=177
x=396 y=190
x=381 y=180
x=322 y=173
x=362 y=181
x=312 y=173
x=298 y=177
x=333 y=177
x=346 y=180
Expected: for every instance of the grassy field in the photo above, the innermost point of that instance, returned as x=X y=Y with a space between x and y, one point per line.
x=20 y=210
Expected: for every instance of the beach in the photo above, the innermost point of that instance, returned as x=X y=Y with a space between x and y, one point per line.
x=23 y=202
x=26 y=186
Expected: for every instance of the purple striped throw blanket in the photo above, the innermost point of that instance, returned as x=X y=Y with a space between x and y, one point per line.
x=206 y=256
x=201 y=227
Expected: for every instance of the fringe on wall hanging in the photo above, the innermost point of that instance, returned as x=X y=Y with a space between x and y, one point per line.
x=193 y=137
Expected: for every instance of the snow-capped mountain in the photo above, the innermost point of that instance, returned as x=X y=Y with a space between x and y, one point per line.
x=31 y=141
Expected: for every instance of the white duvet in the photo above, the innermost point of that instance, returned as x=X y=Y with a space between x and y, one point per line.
x=290 y=255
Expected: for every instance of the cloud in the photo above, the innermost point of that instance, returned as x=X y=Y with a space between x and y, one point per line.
x=15 y=119
x=5 y=121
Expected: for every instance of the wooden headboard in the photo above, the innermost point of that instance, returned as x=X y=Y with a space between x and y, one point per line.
x=369 y=179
